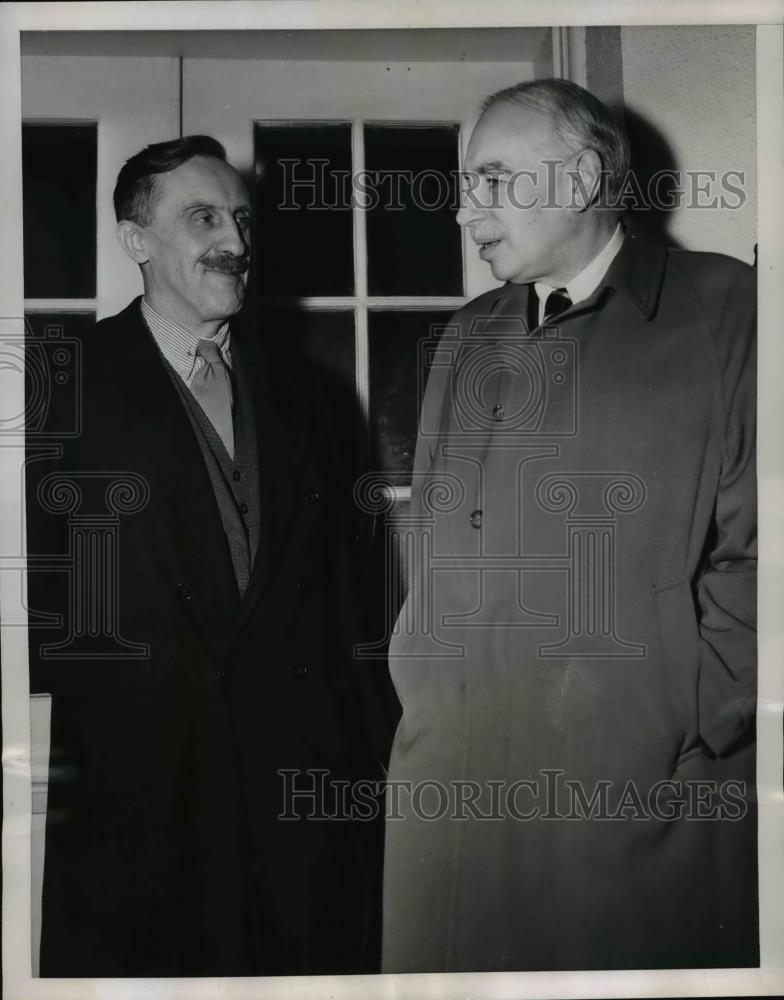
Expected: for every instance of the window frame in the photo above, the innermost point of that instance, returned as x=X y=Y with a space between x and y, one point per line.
x=362 y=304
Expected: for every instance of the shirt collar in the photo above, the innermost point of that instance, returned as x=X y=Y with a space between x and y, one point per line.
x=178 y=345
x=588 y=280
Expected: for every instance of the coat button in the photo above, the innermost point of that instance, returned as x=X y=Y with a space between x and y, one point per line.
x=243 y=508
x=300 y=670
x=498 y=412
x=236 y=476
x=184 y=593
x=476 y=518
x=312 y=496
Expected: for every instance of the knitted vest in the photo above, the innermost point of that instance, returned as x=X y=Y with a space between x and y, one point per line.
x=235 y=482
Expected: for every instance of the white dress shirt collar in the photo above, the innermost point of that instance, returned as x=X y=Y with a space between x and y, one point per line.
x=587 y=281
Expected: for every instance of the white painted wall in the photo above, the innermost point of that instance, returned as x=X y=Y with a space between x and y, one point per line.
x=135 y=101
x=696 y=85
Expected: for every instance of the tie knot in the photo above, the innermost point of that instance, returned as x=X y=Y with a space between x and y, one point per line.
x=208 y=351
x=556 y=303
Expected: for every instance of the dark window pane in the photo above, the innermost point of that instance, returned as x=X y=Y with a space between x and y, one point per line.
x=58 y=177
x=47 y=325
x=414 y=245
x=400 y=349
x=318 y=346
x=52 y=372
x=322 y=340
x=304 y=230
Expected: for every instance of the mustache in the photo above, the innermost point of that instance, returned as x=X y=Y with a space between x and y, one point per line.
x=228 y=263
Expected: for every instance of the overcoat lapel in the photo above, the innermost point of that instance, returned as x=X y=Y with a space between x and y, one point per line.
x=281 y=445
x=192 y=545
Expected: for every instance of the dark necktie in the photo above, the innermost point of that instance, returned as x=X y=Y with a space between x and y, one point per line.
x=211 y=388
x=556 y=303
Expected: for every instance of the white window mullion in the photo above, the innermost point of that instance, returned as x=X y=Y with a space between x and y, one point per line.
x=421 y=303
x=319 y=303
x=60 y=305
x=361 y=344
x=416 y=303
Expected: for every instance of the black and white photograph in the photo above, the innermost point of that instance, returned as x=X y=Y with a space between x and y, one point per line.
x=390 y=429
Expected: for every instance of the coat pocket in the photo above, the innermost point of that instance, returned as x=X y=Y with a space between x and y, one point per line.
x=680 y=649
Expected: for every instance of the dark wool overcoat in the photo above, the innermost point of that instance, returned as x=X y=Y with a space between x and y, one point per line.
x=165 y=853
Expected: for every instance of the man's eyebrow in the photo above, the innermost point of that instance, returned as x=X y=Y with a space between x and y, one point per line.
x=193 y=206
x=491 y=167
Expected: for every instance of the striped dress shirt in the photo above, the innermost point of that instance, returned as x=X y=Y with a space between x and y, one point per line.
x=178 y=345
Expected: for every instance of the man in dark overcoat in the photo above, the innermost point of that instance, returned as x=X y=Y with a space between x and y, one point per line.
x=204 y=698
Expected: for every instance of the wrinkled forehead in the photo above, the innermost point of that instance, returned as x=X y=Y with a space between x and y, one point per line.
x=202 y=180
x=511 y=135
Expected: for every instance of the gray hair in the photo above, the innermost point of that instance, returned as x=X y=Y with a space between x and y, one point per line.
x=580 y=121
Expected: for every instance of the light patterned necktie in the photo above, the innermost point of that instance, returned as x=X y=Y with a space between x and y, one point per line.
x=211 y=388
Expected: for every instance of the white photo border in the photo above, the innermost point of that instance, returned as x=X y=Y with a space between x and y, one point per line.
x=768 y=15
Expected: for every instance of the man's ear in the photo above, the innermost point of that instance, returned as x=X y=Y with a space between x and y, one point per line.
x=131 y=239
x=586 y=177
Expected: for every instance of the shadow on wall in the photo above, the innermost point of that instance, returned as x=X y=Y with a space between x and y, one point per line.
x=654 y=168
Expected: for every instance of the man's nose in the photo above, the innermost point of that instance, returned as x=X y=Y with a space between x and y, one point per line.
x=469 y=211
x=235 y=238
